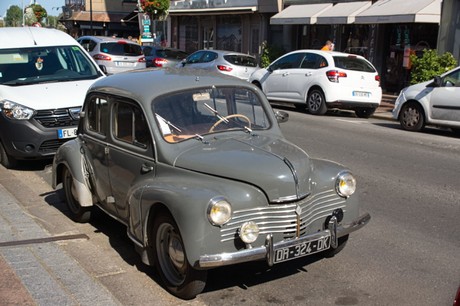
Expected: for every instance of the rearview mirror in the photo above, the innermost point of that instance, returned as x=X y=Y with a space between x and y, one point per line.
x=281 y=116
x=437 y=81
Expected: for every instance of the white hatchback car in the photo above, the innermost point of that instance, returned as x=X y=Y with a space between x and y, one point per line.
x=320 y=80
x=435 y=102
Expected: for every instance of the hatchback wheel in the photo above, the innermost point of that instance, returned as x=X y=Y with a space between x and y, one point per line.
x=5 y=159
x=412 y=117
x=171 y=262
x=78 y=213
x=316 y=103
x=364 y=112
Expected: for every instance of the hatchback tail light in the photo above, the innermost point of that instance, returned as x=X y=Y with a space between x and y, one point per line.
x=141 y=60
x=224 y=68
x=334 y=75
x=159 y=62
x=377 y=78
x=102 y=57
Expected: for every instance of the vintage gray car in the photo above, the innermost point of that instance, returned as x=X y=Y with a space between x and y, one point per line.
x=196 y=167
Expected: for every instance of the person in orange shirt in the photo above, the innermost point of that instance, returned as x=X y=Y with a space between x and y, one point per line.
x=329 y=46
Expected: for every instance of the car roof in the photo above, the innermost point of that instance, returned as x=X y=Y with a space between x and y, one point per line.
x=20 y=37
x=141 y=84
x=326 y=53
x=107 y=39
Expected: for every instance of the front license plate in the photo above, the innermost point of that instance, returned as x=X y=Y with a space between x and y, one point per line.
x=302 y=249
x=361 y=94
x=67 y=133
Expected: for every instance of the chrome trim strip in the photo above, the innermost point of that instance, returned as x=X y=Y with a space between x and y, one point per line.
x=266 y=251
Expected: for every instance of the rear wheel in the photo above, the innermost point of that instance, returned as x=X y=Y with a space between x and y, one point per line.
x=316 y=102
x=412 y=117
x=178 y=276
x=77 y=212
x=364 y=112
x=5 y=159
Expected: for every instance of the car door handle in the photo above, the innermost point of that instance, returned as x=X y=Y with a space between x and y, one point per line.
x=285 y=74
x=308 y=74
x=146 y=169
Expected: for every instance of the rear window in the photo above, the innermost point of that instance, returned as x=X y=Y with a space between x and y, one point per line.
x=353 y=63
x=241 y=60
x=172 y=54
x=118 y=48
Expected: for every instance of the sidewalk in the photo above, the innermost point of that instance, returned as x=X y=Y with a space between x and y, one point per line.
x=384 y=111
x=37 y=271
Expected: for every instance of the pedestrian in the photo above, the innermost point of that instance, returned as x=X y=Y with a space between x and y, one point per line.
x=329 y=46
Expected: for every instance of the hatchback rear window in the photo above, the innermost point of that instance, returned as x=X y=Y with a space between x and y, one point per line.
x=115 y=48
x=241 y=60
x=353 y=63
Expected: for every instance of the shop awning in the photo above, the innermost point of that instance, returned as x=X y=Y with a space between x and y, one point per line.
x=401 y=11
x=213 y=11
x=343 y=13
x=300 y=14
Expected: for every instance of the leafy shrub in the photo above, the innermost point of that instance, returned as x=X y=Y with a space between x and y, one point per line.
x=269 y=54
x=429 y=65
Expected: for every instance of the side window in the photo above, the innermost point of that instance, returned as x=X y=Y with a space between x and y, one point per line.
x=313 y=61
x=195 y=57
x=96 y=115
x=130 y=125
x=288 y=62
x=209 y=57
x=452 y=79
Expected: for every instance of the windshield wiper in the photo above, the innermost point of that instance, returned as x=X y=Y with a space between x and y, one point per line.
x=216 y=113
x=169 y=123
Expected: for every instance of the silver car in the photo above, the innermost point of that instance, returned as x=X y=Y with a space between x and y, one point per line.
x=201 y=175
x=231 y=63
x=114 y=55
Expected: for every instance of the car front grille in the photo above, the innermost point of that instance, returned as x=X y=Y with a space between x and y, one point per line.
x=52 y=118
x=283 y=219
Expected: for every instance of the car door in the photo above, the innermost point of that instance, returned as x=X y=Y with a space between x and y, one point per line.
x=94 y=134
x=130 y=152
x=276 y=84
x=300 y=79
x=445 y=100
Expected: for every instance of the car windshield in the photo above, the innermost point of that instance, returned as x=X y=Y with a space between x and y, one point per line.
x=353 y=63
x=25 y=66
x=121 y=48
x=192 y=113
x=241 y=60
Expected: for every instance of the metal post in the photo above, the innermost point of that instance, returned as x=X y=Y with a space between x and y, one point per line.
x=91 y=17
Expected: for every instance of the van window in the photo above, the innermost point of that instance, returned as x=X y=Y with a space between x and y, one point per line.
x=25 y=66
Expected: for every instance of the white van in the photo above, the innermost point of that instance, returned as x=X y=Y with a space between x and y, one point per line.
x=44 y=76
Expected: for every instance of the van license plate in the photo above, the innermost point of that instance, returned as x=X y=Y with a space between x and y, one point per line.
x=67 y=133
x=361 y=94
x=302 y=249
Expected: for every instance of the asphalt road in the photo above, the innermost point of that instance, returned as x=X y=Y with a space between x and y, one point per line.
x=407 y=255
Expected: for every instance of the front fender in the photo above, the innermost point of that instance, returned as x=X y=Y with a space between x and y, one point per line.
x=70 y=155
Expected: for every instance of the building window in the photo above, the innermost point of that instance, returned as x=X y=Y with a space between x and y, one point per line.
x=229 y=30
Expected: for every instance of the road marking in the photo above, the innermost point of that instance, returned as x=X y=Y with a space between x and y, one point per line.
x=351 y=121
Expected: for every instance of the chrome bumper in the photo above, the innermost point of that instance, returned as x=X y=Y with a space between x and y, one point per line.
x=267 y=251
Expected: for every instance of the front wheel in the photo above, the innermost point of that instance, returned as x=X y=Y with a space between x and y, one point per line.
x=412 y=117
x=364 y=112
x=316 y=102
x=170 y=259
x=78 y=213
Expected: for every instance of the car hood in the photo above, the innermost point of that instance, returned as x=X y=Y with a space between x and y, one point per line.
x=47 y=95
x=281 y=169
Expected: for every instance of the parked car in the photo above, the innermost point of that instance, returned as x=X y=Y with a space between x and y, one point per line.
x=162 y=56
x=44 y=76
x=457 y=298
x=114 y=55
x=231 y=63
x=435 y=102
x=321 y=80
x=200 y=173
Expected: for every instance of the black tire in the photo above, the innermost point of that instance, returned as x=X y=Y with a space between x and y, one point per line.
x=332 y=252
x=316 y=103
x=364 y=112
x=77 y=212
x=179 y=278
x=412 y=117
x=5 y=159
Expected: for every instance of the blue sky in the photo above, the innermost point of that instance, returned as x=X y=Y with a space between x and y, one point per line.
x=47 y=4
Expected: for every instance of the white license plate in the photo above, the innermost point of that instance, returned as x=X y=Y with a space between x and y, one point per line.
x=67 y=133
x=302 y=249
x=361 y=94
x=124 y=64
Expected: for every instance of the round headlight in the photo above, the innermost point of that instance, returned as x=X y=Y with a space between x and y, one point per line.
x=249 y=232
x=219 y=211
x=345 y=184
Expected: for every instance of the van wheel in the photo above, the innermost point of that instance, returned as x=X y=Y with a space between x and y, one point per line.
x=171 y=262
x=412 y=117
x=316 y=102
x=5 y=159
x=78 y=213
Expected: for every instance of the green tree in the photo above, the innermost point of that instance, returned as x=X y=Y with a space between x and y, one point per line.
x=430 y=64
x=13 y=16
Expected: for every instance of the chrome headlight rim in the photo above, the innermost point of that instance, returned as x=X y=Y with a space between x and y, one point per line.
x=345 y=184
x=219 y=211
